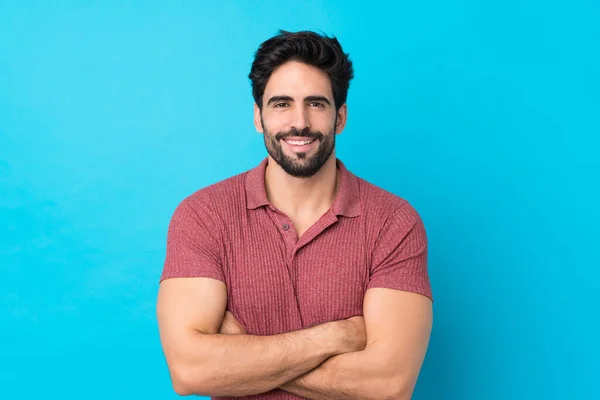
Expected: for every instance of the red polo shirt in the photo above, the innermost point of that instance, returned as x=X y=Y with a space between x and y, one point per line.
x=277 y=282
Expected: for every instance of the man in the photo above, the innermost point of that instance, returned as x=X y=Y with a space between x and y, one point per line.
x=296 y=279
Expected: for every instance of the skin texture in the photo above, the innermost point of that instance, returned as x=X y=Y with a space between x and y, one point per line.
x=376 y=357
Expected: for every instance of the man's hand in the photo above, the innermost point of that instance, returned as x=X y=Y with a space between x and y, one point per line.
x=231 y=326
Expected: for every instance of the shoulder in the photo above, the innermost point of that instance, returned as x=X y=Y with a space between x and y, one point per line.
x=380 y=205
x=215 y=199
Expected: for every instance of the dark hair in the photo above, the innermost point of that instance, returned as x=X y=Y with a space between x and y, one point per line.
x=308 y=47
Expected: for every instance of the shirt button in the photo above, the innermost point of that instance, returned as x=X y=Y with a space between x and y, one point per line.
x=285 y=227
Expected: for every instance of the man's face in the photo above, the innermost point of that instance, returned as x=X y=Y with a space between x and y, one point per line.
x=298 y=119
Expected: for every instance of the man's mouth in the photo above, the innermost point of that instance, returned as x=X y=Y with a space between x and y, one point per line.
x=299 y=144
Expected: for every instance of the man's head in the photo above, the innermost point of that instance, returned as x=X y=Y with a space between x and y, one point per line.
x=300 y=83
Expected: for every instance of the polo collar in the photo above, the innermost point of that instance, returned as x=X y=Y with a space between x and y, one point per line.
x=346 y=203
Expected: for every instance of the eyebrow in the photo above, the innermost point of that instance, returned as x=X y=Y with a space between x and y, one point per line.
x=290 y=99
x=279 y=98
x=318 y=98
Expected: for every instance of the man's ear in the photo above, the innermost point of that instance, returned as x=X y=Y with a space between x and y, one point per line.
x=342 y=114
x=257 y=119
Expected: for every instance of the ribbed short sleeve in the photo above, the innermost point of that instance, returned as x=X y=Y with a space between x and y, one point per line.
x=193 y=246
x=399 y=259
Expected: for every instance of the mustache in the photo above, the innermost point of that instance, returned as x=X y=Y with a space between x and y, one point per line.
x=307 y=133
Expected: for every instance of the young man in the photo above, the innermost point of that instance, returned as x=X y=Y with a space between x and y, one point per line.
x=296 y=279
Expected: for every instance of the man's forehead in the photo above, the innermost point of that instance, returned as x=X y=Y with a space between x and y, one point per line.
x=295 y=79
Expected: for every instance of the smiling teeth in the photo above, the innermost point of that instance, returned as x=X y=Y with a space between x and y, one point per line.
x=299 y=142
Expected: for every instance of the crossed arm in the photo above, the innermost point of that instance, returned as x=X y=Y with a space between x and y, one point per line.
x=328 y=361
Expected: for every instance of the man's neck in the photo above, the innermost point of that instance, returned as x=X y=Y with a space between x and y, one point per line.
x=298 y=197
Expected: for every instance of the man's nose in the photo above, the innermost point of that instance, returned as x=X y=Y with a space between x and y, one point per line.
x=300 y=119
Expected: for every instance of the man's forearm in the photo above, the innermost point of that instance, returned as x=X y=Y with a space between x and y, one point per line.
x=356 y=375
x=237 y=365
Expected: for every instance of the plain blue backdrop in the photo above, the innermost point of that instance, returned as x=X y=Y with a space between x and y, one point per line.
x=485 y=115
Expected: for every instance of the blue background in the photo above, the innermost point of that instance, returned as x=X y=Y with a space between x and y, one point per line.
x=485 y=115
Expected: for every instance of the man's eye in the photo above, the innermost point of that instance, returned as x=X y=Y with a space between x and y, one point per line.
x=281 y=105
x=316 y=104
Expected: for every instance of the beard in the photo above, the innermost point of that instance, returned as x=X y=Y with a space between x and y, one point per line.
x=301 y=166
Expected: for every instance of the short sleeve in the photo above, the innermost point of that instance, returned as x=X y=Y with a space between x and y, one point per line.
x=193 y=247
x=399 y=259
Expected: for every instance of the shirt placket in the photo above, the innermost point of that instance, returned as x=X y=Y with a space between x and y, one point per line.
x=290 y=238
